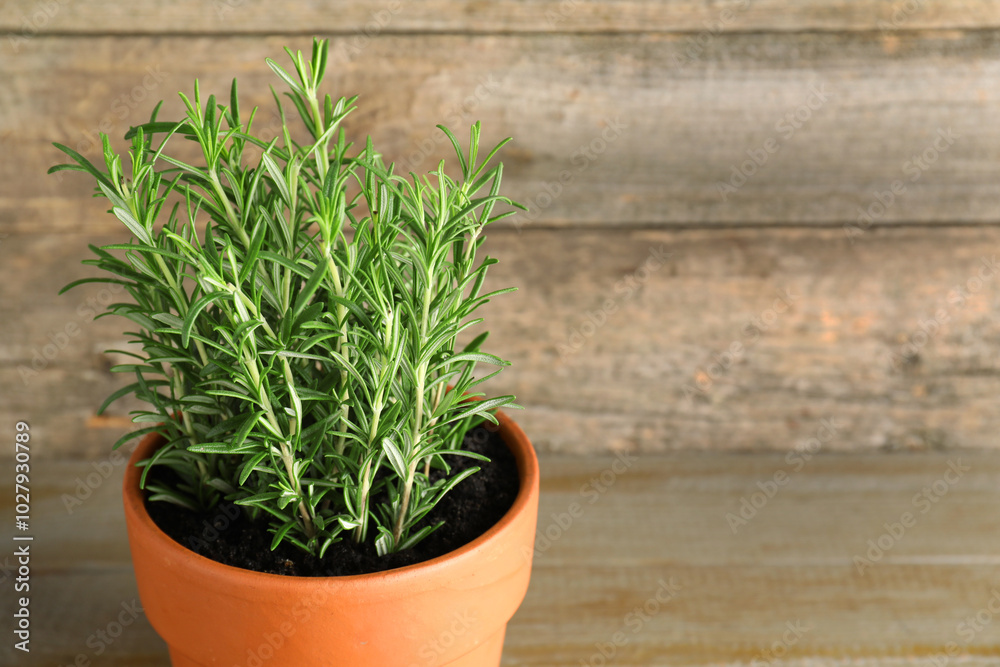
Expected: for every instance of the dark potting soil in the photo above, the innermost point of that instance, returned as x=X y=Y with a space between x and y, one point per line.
x=470 y=509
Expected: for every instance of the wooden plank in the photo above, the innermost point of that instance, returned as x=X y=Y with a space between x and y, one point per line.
x=26 y=19
x=609 y=129
x=853 y=493
x=902 y=617
x=658 y=528
x=660 y=373
x=749 y=339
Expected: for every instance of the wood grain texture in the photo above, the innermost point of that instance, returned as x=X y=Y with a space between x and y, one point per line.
x=610 y=129
x=892 y=340
x=27 y=18
x=749 y=339
x=657 y=524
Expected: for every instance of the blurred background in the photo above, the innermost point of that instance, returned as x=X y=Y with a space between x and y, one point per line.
x=746 y=216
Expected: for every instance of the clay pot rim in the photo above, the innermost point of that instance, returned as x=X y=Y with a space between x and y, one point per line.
x=513 y=436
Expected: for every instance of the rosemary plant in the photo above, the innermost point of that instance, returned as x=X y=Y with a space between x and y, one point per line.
x=298 y=315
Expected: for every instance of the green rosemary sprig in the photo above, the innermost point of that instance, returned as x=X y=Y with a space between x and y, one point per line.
x=299 y=315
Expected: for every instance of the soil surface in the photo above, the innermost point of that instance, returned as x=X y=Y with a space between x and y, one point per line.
x=470 y=509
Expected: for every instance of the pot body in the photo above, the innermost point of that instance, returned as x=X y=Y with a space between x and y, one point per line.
x=451 y=610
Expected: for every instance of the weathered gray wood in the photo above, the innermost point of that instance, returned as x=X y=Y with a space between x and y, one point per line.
x=636 y=131
x=661 y=520
x=25 y=19
x=704 y=354
x=850 y=349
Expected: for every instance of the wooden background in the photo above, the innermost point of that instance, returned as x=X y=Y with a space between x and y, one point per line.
x=627 y=117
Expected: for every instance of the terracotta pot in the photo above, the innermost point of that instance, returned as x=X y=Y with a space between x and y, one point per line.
x=452 y=610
